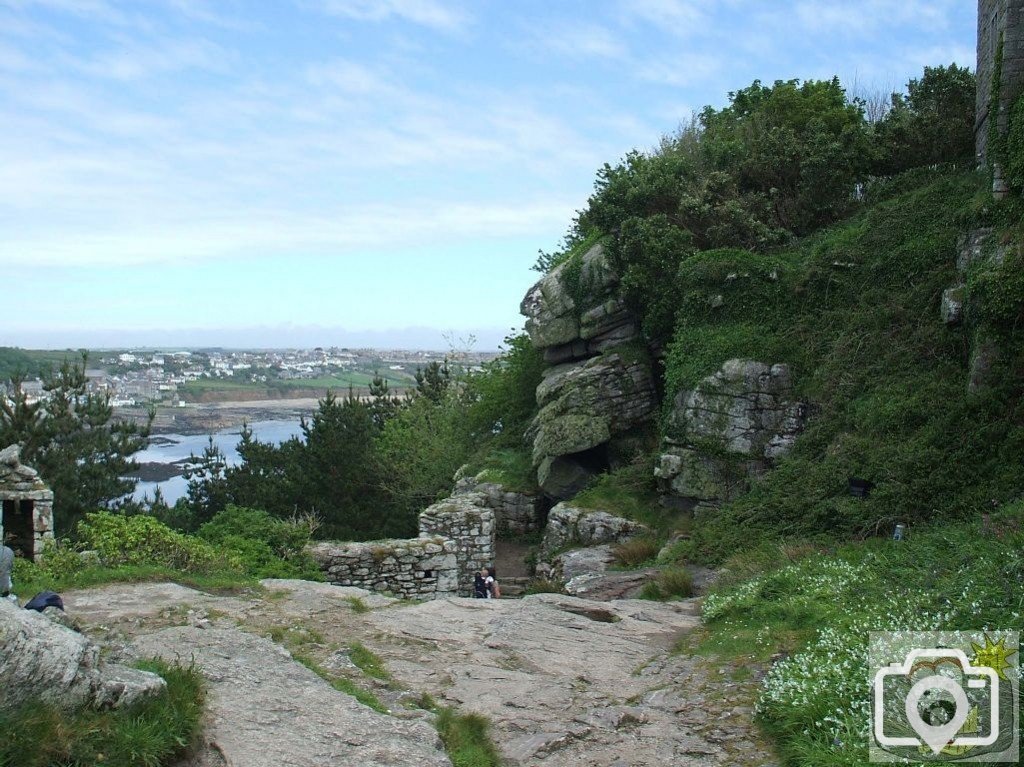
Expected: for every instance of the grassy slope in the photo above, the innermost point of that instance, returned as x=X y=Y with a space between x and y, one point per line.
x=855 y=311
x=815 y=702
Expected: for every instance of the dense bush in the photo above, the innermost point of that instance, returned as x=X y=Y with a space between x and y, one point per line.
x=854 y=311
x=266 y=547
x=140 y=540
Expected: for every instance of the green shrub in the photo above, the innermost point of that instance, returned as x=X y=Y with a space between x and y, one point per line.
x=154 y=733
x=142 y=540
x=676 y=582
x=265 y=546
x=1015 y=146
x=544 y=586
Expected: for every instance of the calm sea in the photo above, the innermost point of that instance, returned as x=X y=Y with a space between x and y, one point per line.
x=175 y=447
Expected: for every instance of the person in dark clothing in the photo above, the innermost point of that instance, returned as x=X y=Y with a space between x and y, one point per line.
x=491 y=581
x=480 y=585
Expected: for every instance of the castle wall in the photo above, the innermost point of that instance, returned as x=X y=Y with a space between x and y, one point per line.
x=995 y=18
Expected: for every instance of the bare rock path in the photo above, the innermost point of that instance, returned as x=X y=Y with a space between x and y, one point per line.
x=564 y=681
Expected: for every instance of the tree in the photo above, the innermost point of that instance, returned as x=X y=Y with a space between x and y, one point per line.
x=71 y=437
x=933 y=122
x=433 y=381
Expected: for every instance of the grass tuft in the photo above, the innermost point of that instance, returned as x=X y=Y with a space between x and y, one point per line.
x=154 y=733
x=467 y=739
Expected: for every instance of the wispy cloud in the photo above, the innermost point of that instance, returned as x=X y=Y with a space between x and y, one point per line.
x=427 y=13
x=578 y=40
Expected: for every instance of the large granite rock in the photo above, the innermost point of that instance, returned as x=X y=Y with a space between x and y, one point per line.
x=572 y=526
x=43 y=660
x=600 y=388
x=585 y=406
x=266 y=710
x=575 y=310
x=727 y=430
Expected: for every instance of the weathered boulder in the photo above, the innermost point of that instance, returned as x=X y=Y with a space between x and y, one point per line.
x=585 y=406
x=727 y=430
x=575 y=310
x=569 y=525
x=43 y=660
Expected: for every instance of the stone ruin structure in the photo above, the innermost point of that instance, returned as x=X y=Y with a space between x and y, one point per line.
x=456 y=540
x=598 y=392
x=998 y=21
x=26 y=506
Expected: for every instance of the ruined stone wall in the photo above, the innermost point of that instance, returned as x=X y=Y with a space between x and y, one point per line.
x=417 y=568
x=998 y=18
x=465 y=520
x=31 y=501
x=515 y=514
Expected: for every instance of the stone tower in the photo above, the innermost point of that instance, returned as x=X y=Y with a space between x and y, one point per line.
x=998 y=20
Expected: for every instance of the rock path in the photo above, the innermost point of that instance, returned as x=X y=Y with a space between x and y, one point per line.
x=564 y=681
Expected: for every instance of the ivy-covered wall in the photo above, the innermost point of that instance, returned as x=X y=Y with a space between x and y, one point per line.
x=1000 y=69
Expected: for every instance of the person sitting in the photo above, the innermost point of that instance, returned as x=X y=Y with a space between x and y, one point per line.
x=493 y=590
x=480 y=585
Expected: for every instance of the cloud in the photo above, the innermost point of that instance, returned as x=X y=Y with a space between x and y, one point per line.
x=427 y=13
x=832 y=16
x=580 y=40
x=680 y=17
x=178 y=236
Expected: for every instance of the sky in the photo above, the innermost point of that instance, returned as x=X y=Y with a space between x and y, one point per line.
x=361 y=172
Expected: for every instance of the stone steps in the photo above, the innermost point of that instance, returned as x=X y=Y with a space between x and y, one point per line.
x=513 y=587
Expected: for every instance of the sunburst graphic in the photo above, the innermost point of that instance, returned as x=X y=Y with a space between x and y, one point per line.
x=992 y=655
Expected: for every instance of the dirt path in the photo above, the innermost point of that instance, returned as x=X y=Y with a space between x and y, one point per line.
x=564 y=681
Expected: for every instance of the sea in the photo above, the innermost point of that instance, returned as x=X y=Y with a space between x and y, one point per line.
x=170 y=448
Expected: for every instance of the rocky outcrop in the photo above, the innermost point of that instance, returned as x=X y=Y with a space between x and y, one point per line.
x=266 y=710
x=575 y=311
x=599 y=390
x=726 y=431
x=572 y=526
x=43 y=660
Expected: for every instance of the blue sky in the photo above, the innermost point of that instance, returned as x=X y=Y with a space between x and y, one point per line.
x=316 y=172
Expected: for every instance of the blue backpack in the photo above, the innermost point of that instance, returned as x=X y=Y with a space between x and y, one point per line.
x=45 y=599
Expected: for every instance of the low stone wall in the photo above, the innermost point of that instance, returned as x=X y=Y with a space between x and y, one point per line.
x=466 y=520
x=515 y=514
x=568 y=525
x=416 y=568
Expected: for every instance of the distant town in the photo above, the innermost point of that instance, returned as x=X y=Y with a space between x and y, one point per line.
x=196 y=389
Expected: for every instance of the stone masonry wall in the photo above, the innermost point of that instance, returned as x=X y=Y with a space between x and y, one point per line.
x=417 y=568
x=22 y=485
x=515 y=513
x=995 y=18
x=469 y=523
